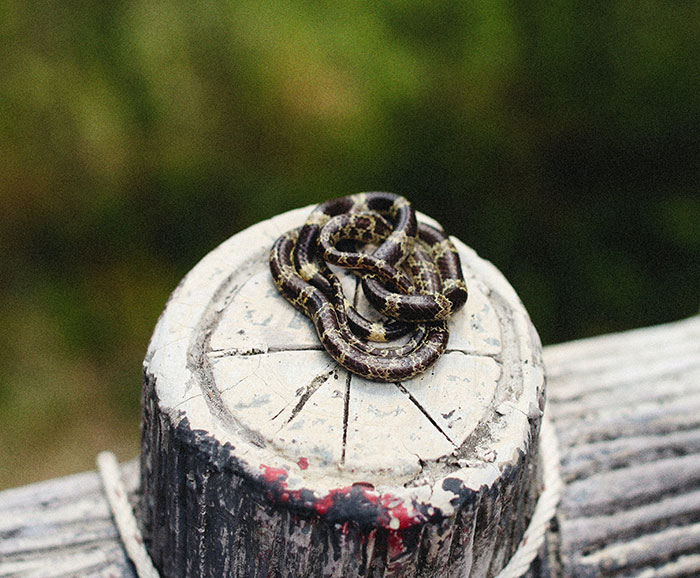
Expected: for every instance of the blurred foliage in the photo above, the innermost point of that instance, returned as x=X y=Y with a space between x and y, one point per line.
x=560 y=139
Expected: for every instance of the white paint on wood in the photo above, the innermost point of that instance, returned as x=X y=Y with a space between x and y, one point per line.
x=388 y=434
x=466 y=398
x=235 y=360
x=265 y=356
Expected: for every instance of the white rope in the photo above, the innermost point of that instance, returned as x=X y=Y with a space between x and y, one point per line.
x=546 y=506
x=124 y=515
x=517 y=566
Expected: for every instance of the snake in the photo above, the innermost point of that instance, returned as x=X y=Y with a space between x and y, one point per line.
x=410 y=273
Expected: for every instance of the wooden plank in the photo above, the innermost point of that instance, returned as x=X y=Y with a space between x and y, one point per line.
x=627 y=409
x=61 y=528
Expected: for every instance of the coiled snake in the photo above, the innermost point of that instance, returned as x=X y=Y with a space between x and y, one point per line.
x=413 y=277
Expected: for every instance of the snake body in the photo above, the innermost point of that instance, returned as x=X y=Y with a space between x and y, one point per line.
x=413 y=277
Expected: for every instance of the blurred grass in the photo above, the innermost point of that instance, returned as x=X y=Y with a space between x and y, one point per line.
x=561 y=140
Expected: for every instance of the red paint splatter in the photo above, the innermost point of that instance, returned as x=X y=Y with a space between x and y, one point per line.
x=274 y=474
x=396 y=508
x=324 y=504
x=394 y=515
x=395 y=543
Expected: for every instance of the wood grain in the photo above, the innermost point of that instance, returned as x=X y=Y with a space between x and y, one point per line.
x=627 y=411
x=62 y=527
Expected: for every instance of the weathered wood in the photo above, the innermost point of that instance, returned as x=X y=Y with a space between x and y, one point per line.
x=49 y=529
x=627 y=411
x=61 y=528
x=287 y=465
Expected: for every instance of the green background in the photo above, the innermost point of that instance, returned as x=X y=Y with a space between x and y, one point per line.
x=559 y=139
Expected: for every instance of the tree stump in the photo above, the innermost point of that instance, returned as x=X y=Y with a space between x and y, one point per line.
x=262 y=457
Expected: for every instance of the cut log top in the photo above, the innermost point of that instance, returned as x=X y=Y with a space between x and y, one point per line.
x=235 y=359
x=238 y=385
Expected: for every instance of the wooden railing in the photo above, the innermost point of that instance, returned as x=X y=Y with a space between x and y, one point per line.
x=627 y=412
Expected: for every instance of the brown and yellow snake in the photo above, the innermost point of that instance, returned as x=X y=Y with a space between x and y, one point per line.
x=413 y=277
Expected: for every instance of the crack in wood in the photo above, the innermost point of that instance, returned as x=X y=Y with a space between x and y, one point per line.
x=430 y=418
x=310 y=389
x=231 y=352
x=346 y=416
x=348 y=380
x=199 y=362
x=495 y=356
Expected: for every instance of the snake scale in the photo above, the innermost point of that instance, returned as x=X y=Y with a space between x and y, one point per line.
x=410 y=271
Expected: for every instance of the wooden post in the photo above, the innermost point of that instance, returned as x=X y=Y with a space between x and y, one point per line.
x=262 y=457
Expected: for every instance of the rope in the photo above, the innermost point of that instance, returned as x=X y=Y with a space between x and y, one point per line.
x=546 y=507
x=517 y=566
x=124 y=515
